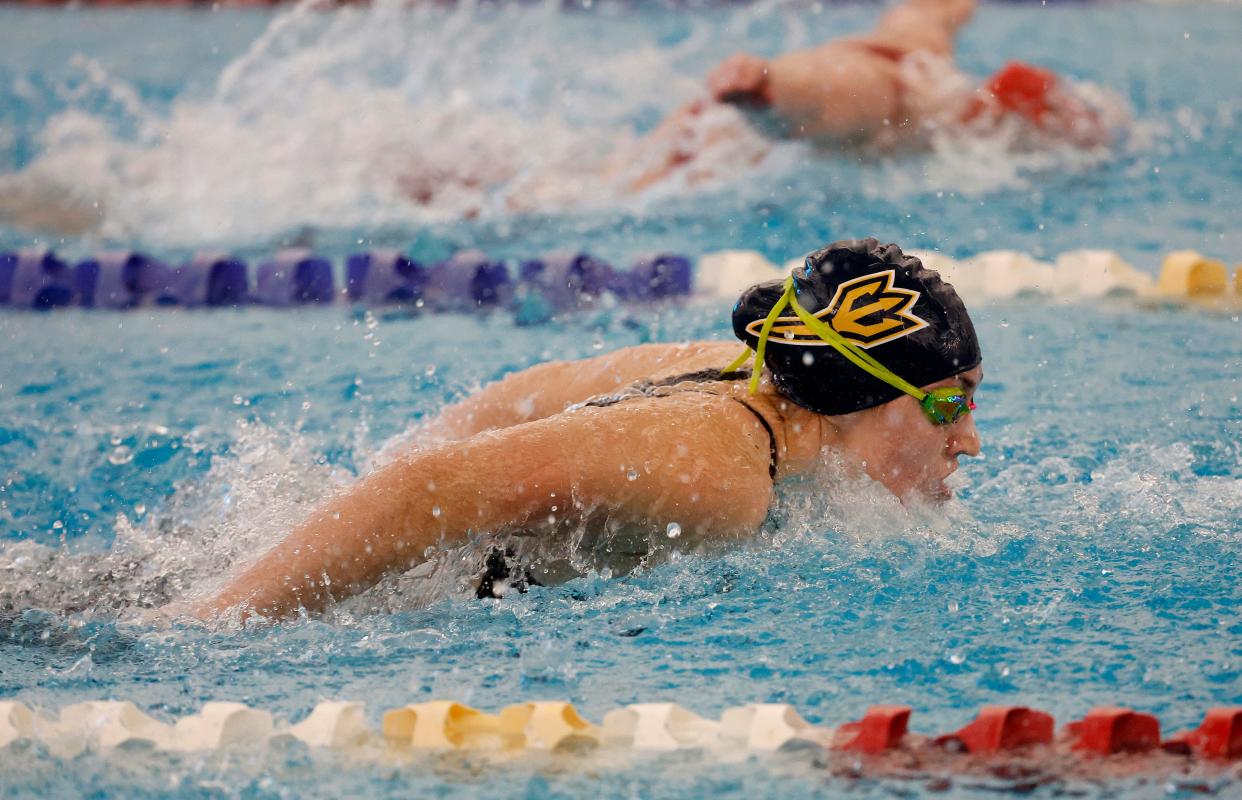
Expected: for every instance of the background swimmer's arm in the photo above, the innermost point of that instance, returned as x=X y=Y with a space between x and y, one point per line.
x=700 y=463
x=927 y=25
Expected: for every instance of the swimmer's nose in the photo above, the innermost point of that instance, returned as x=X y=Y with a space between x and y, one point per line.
x=964 y=437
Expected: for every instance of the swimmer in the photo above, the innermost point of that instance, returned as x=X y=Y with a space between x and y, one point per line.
x=891 y=87
x=894 y=86
x=861 y=356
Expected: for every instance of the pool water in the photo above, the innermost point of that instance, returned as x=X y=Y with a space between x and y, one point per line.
x=1088 y=559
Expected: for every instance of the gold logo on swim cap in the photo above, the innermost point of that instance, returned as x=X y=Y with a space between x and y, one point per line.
x=868 y=310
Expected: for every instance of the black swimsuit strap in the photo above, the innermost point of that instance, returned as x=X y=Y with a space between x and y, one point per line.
x=699 y=376
x=767 y=426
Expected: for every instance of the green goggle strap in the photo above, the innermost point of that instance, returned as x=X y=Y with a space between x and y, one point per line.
x=862 y=360
x=762 y=346
x=855 y=354
x=739 y=361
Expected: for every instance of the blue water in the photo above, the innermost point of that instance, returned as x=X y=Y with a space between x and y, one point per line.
x=1090 y=558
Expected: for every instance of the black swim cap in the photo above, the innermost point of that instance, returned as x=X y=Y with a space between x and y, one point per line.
x=876 y=297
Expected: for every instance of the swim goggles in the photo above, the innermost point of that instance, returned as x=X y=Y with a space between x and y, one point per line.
x=943 y=406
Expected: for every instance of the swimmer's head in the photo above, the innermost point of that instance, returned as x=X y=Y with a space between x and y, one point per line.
x=878 y=298
x=1045 y=103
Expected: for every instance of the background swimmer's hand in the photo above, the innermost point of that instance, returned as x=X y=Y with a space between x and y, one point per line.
x=740 y=79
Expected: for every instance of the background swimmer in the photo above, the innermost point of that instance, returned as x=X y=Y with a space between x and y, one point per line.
x=264 y=158
x=893 y=86
x=683 y=450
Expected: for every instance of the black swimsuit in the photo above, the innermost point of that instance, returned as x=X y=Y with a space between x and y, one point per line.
x=497 y=567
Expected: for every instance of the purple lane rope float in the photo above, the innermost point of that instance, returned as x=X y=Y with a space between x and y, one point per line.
x=539 y=288
x=468 y=281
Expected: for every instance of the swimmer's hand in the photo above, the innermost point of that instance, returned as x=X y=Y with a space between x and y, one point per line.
x=741 y=79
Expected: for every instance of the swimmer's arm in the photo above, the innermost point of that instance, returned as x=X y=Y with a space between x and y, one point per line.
x=703 y=466
x=534 y=393
x=546 y=389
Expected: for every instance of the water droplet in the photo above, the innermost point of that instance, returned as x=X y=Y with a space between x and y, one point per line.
x=121 y=455
x=673 y=530
x=953 y=606
x=808 y=358
x=140 y=508
x=306 y=405
x=435 y=512
x=57 y=525
x=336 y=515
x=237 y=399
x=631 y=475
x=957 y=658
x=430 y=371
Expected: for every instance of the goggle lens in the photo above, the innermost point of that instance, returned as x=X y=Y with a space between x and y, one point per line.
x=946 y=405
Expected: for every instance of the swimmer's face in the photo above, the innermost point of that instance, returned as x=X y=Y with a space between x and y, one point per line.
x=901 y=449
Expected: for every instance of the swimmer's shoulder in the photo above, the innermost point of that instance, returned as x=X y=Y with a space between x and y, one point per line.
x=647 y=362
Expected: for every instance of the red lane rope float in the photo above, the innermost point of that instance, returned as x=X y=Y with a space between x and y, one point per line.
x=1108 y=730
x=999 y=728
x=883 y=728
x=1105 y=730
x=1218 y=736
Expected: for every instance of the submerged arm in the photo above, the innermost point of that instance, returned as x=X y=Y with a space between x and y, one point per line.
x=701 y=464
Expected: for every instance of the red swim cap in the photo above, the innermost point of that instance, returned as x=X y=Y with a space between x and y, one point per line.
x=1039 y=97
x=1023 y=89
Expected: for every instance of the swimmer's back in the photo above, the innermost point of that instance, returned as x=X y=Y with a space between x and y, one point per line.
x=547 y=389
